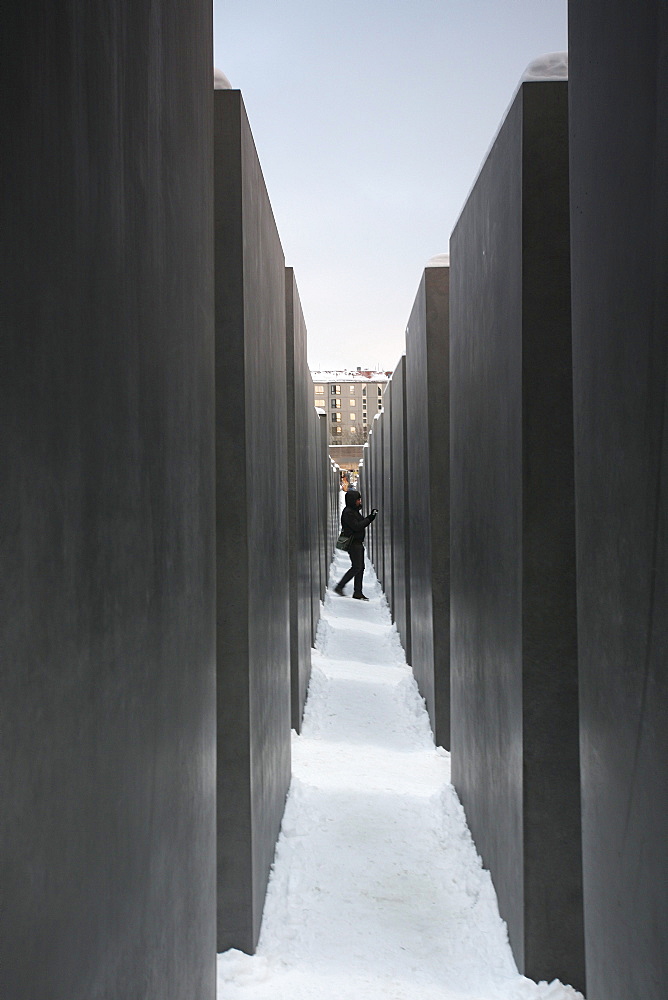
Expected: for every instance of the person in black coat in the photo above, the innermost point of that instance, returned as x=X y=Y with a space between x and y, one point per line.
x=353 y=525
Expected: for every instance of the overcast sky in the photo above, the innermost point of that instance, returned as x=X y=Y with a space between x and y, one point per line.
x=371 y=119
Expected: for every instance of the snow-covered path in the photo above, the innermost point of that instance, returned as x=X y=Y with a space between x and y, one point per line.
x=377 y=892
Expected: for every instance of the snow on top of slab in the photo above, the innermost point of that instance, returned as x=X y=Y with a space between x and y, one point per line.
x=551 y=66
x=350 y=376
x=220 y=81
x=439 y=260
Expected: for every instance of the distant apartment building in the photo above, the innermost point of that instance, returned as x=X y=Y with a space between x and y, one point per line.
x=350 y=399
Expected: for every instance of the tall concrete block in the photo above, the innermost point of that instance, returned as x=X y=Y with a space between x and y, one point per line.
x=313 y=486
x=619 y=212
x=369 y=497
x=427 y=432
x=387 y=512
x=298 y=582
x=379 y=442
x=401 y=499
x=107 y=587
x=323 y=506
x=514 y=650
x=252 y=535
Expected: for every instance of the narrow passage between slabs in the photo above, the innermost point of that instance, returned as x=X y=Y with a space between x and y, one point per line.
x=377 y=892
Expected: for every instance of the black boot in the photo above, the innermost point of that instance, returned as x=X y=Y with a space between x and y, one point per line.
x=360 y=597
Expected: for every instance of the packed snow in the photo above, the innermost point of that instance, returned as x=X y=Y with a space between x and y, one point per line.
x=551 y=66
x=377 y=892
x=439 y=260
x=220 y=81
x=360 y=375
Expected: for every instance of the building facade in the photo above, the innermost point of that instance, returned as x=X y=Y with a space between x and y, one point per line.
x=350 y=399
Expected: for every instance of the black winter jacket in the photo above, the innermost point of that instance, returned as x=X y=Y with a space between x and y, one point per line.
x=352 y=522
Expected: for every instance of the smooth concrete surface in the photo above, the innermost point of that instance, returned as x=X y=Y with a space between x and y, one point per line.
x=251 y=470
x=387 y=512
x=619 y=211
x=400 y=508
x=298 y=580
x=107 y=641
x=323 y=476
x=375 y=498
x=427 y=432
x=368 y=493
x=514 y=643
x=313 y=488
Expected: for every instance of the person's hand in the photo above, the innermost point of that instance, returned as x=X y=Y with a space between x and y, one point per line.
x=374 y=511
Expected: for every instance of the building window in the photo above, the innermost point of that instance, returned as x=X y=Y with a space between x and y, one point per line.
x=364 y=390
x=338 y=416
x=352 y=428
x=352 y=389
x=319 y=403
x=380 y=390
x=352 y=416
x=319 y=389
x=364 y=418
x=380 y=404
x=336 y=390
x=338 y=430
x=364 y=404
x=352 y=402
x=334 y=416
x=336 y=402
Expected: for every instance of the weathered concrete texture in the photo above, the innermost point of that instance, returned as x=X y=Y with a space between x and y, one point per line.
x=107 y=684
x=619 y=166
x=514 y=657
x=298 y=580
x=387 y=512
x=375 y=497
x=366 y=489
x=323 y=464
x=427 y=432
x=400 y=509
x=314 y=490
x=334 y=516
x=252 y=538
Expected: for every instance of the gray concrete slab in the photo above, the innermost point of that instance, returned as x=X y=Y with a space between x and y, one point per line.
x=299 y=463
x=252 y=534
x=619 y=213
x=388 y=512
x=514 y=640
x=107 y=586
x=427 y=431
x=400 y=508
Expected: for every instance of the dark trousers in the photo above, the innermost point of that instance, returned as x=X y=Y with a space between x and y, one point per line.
x=356 y=553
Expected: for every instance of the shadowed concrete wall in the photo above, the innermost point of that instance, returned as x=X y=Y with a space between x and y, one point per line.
x=368 y=495
x=295 y=504
x=107 y=686
x=400 y=508
x=315 y=521
x=514 y=658
x=323 y=464
x=427 y=431
x=619 y=166
x=387 y=512
x=252 y=537
x=382 y=487
x=367 y=490
x=375 y=498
